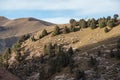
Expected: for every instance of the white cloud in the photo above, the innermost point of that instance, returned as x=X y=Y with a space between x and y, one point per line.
x=58 y=20
x=56 y=4
x=81 y=7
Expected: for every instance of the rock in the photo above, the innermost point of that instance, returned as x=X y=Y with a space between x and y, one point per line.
x=63 y=77
x=107 y=51
x=115 y=50
x=35 y=76
x=85 y=54
x=60 y=77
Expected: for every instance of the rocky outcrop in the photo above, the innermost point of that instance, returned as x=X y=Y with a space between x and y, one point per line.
x=5 y=75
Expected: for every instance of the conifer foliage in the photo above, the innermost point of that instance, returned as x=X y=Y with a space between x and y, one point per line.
x=56 y=31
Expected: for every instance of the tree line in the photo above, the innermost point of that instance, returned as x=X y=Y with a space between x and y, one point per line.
x=106 y=22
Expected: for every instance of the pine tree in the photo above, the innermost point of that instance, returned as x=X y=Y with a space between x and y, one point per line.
x=110 y=23
x=7 y=53
x=88 y=23
x=70 y=51
x=56 y=31
x=115 y=17
x=79 y=75
x=1 y=60
x=48 y=48
x=73 y=22
x=101 y=23
x=93 y=62
x=6 y=57
x=108 y=18
x=83 y=23
x=93 y=24
x=58 y=49
x=44 y=33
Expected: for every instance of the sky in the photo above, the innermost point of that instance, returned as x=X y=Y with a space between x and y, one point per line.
x=59 y=11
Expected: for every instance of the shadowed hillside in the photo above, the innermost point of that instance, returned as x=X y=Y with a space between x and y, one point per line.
x=5 y=75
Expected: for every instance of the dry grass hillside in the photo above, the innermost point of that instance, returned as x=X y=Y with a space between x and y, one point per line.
x=86 y=53
x=21 y=26
x=75 y=39
x=3 y=20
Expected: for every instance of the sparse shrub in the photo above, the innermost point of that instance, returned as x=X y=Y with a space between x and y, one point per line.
x=7 y=53
x=70 y=51
x=40 y=36
x=71 y=64
x=99 y=53
x=16 y=46
x=56 y=31
x=110 y=23
x=48 y=48
x=18 y=56
x=41 y=59
x=1 y=60
x=42 y=74
x=33 y=39
x=115 y=54
x=24 y=37
x=53 y=66
x=58 y=49
x=72 y=29
x=79 y=75
x=65 y=30
x=44 y=33
x=106 y=30
x=6 y=57
x=93 y=62
x=112 y=54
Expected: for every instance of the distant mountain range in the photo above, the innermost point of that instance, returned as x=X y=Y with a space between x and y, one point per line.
x=18 y=27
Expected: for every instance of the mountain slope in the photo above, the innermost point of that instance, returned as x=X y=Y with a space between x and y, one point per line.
x=3 y=20
x=83 y=53
x=17 y=28
x=94 y=62
x=73 y=39
x=22 y=26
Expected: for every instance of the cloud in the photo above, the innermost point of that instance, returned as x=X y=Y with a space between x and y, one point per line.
x=57 y=20
x=79 y=7
x=56 y=4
